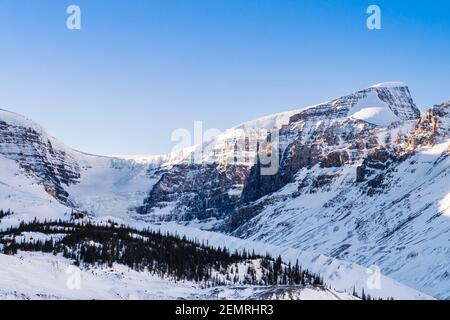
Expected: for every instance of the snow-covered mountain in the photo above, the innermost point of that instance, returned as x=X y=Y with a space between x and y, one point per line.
x=39 y=170
x=377 y=198
x=363 y=178
x=215 y=186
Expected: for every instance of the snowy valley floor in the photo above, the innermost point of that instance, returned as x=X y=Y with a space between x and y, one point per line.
x=44 y=276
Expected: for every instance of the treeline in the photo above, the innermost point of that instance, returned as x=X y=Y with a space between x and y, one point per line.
x=366 y=296
x=161 y=254
x=5 y=213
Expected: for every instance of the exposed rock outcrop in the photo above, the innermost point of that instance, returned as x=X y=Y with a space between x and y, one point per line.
x=28 y=144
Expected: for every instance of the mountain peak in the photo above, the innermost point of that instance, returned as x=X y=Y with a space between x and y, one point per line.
x=385 y=103
x=393 y=84
x=18 y=120
x=380 y=104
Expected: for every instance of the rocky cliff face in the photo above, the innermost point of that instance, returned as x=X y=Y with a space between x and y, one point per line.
x=28 y=144
x=433 y=126
x=194 y=191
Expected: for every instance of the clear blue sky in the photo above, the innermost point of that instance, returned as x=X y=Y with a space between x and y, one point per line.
x=140 y=69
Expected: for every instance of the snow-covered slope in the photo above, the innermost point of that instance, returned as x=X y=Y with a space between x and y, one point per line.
x=404 y=230
x=23 y=194
x=341 y=275
x=376 y=108
x=43 y=276
x=373 y=110
x=96 y=184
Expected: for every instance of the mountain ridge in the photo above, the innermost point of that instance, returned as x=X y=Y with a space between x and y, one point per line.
x=329 y=161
